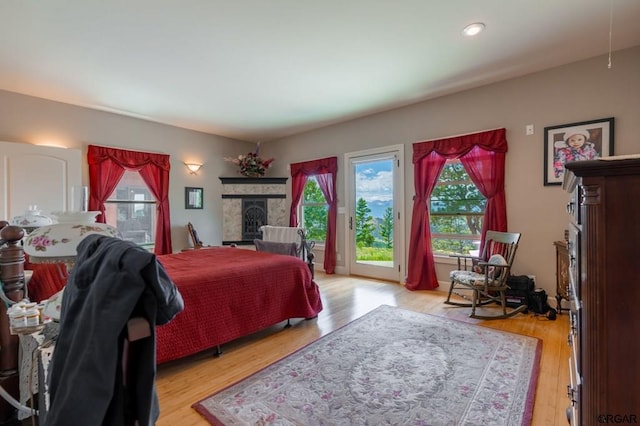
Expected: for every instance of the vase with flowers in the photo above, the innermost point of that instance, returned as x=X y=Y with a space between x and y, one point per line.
x=251 y=164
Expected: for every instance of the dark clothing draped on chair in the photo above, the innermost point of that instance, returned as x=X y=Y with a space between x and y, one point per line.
x=111 y=282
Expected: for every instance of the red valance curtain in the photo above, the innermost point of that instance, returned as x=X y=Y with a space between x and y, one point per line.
x=483 y=157
x=106 y=168
x=325 y=171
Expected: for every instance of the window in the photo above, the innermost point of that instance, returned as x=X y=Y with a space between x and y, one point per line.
x=132 y=209
x=314 y=209
x=457 y=212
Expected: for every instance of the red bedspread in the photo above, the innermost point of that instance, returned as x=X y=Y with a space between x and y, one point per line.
x=231 y=292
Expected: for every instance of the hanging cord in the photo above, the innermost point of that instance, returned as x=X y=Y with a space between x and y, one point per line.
x=16 y=404
x=610 y=30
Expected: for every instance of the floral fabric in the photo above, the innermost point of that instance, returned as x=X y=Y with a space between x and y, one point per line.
x=391 y=367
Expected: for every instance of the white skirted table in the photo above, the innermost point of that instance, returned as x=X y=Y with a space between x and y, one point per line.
x=34 y=365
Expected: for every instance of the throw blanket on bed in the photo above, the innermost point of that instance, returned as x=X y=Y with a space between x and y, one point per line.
x=231 y=292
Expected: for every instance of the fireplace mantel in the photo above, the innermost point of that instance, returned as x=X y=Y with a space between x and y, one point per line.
x=243 y=206
x=253 y=180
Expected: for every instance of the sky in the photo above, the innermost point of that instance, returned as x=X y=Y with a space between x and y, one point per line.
x=374 y=182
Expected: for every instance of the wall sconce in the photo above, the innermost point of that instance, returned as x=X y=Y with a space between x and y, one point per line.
x=193 y=167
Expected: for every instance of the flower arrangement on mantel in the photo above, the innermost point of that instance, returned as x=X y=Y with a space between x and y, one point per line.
x=251 y=164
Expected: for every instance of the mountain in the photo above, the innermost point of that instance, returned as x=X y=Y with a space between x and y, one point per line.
x=378 y=207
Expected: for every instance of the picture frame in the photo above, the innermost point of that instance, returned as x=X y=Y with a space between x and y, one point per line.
x=597 y=142
x=193 y=197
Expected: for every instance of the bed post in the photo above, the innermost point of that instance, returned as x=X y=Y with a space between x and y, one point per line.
x=306 y=247
x=12 y=276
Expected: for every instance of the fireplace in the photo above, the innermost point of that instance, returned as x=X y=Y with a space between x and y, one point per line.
x=254 y=215
x=249 y=203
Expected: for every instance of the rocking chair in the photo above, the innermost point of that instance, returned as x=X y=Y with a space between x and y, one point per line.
x=486 y=276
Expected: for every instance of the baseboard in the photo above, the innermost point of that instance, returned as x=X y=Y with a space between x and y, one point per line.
x=340 y=270
x=444 y=286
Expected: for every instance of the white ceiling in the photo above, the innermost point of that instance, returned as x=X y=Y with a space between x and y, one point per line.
x=263 y=69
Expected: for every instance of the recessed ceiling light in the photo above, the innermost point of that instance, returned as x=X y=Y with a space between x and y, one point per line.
x=473 y=29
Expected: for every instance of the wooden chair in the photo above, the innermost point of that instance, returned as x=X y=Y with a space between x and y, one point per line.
x=486 y=276
x=197 y=244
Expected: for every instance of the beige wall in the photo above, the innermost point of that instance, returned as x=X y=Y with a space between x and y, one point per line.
x=32 y=120
x=577 y=92
x=581 y=91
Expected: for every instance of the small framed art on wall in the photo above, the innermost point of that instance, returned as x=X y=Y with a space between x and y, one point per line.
x=192 y=198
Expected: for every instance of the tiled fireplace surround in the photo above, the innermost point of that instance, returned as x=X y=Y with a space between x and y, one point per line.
x=248 y=203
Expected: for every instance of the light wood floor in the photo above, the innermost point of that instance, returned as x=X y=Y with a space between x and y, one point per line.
x=184 y=382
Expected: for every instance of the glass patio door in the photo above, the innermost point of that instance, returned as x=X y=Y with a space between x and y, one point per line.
x=374 y=220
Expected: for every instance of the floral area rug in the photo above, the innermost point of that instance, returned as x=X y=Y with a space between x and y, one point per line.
x=391 y=367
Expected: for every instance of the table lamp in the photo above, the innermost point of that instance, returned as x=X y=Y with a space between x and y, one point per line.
x=58 y=243
x=31 y=219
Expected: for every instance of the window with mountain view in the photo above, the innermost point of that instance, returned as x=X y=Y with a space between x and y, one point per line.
x=456 y=211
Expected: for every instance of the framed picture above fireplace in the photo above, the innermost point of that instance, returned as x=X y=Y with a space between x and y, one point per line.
x=192 y=198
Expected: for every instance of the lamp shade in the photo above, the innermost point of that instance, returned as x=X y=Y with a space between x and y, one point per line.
x=31 y=219
x=75 y=216
x=58 y=243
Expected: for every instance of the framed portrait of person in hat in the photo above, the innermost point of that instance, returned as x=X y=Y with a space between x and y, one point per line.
x=586 y=140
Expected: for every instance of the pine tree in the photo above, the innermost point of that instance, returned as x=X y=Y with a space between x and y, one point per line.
x=364 y=224
x=386 y=228
x=456 y=209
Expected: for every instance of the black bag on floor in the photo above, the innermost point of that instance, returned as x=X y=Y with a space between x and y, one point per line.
x=538 y=301
x=519 y=288
x=539 y=305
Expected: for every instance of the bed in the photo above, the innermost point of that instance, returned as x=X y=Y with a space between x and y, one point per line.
x=232 y=292
x=228 y=293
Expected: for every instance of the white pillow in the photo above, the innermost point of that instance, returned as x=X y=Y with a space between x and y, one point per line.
x=496 y=259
